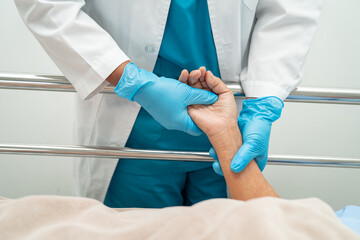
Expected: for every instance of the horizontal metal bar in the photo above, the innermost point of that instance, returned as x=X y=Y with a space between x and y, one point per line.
x=128 y=153
x=59 y=83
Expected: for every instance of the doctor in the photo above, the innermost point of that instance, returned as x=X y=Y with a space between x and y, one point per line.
x=141 y=47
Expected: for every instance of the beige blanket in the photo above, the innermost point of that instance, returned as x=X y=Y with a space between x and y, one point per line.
x=52 y=217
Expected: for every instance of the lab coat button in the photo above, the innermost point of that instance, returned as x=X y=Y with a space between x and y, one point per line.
x=149 y=49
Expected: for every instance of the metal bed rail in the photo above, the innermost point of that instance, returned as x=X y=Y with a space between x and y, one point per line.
x=128 y=153
x=59 y=83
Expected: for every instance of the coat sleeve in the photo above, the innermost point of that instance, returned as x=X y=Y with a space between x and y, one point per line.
x=84 y=52
x=279 y=44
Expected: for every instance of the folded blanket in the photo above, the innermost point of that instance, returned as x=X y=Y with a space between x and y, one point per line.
x=53 y=217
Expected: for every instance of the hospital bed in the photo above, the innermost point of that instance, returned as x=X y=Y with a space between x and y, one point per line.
x=301 y=94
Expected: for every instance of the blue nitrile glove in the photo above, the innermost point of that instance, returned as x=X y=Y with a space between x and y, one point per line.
x=255 y=120
x=216 y=164
x=165 y=99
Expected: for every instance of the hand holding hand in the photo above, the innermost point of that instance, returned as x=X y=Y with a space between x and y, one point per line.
x=165 y=99
x=218 y=120
x=218 y=117
x=255 y=121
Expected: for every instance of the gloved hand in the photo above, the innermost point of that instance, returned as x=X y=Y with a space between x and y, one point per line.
x=165 y=99
x=255 y=120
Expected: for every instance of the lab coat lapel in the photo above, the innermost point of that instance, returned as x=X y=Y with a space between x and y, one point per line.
x=225 y=19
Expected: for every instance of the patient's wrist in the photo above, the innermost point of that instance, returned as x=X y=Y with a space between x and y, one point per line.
x=226 y=133
x=249 y=183
x=226 y=143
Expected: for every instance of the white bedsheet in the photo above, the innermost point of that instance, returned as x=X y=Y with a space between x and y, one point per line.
x=53 y=217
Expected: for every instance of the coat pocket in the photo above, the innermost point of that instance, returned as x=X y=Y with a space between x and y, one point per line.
x=251 y=4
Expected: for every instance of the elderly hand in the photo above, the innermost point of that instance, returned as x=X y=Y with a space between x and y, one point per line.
x=219 y=120
x=219 y=117
x=255 y=119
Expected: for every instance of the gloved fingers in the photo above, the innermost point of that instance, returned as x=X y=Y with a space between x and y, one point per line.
x=191 y=127
x=242 y=158
x=184 y=76
x=216 y=165
x=199 y=96
x=217 y=168
x=213 y=154
x=215 y=84
x=261 y=161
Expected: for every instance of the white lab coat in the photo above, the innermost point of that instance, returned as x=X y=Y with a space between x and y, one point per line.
x=88 y=39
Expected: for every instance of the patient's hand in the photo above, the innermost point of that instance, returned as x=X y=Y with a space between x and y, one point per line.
x=216 y=118
x=219 y=122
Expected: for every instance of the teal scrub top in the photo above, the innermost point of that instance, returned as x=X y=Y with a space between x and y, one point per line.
x=187 y=44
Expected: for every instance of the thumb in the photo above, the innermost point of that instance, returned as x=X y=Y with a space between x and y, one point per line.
x=213 y=154
x=242 y=158
x=199 y=96
x=217 y=168
x=216 y=165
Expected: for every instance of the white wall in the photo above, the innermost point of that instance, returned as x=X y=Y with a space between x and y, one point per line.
x=333 y=130
x=31 y=117
x=321 y=129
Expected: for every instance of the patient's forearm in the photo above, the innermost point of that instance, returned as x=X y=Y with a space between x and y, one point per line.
x=249 y=183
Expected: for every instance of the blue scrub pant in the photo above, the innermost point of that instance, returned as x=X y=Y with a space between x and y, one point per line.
x=163 y=190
